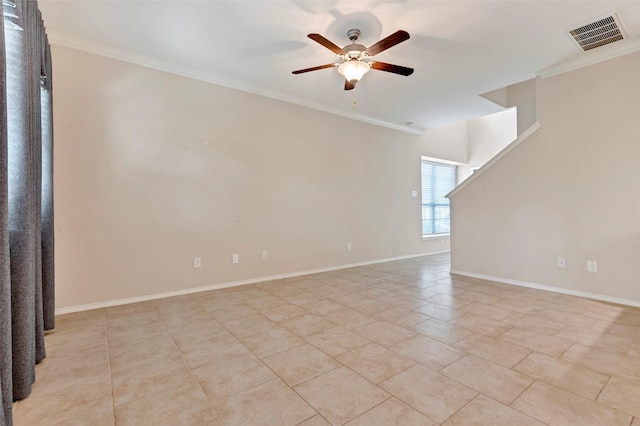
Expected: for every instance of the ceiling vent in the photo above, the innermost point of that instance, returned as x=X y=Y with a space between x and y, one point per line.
x=604 y=31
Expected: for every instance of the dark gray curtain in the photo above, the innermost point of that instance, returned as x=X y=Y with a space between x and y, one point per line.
x=6 y=391
x=26 y=205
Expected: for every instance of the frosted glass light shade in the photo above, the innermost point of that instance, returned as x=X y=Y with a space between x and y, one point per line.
x=353 y=70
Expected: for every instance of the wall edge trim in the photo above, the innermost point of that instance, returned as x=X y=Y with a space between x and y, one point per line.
x=524 y=135
x=155 y=296
x=590 y=58
x=553 y=289
x=71 y=42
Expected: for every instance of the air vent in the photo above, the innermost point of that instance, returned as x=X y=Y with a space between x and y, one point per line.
x=604 y=31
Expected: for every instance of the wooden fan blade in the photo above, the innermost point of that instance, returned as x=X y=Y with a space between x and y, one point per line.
x=326 y=43
x=349 y=85
x=385 y=43
x=396 y=69
x=319 y=67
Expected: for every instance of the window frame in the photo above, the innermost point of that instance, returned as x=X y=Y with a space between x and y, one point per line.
x=434 y=205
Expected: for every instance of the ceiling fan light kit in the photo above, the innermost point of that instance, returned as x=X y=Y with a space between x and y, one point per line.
x=356 y=58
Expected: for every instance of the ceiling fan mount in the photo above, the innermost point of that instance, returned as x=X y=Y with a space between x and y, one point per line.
x=356 y=58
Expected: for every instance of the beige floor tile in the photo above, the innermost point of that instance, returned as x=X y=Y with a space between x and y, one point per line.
x=138 y=352
x=283 y=312
x=442 y=331
x=404 y=302
x=299 y=364
x=67 y=361
x=134 y=317
x=384 y=333
x=625 y=331
x=230 y=313
x=265 y=302
x=95 y=413
x=306 y=324
x=375 y=363
x=182 y=319
x=428 y=352
x=178 y=406
x=484 y=310
x=536 y=341
x=64 y=393
x=126 y=358
x=493 y=380
x=233 y=375
x=126 y=335
x=271 y=342
x=316 y=420
x=623 y=395
x=604 y=362
x=370 y=305
x=392 y=412
x=595 y=339
x=268 y=404
x=401 y=317
x=518 y=304
x=341 y=395
x=482 y=325
x=171 y=306
x=150 y=379
x=197 y=330
x=484 y=411
x=336 y=340
x=322 y=307
x=206 y=351
x=553 y=405
x=571 y=319
x=534 y=322
x=74 y=338
x=493 y=349
x=565 y=375
x=250 y=325
x=432 y=394
x=302 y=298
x=454 y=301
x=351 y=318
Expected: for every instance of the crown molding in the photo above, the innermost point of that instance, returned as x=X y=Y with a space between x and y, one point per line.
x=121 y=55
x=590 y=58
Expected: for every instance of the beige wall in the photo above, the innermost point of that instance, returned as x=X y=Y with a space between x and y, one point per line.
x=571 y=189
x=470 y=144
x=152 y=169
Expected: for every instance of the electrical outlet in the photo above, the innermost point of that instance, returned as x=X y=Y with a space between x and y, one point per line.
x=348 y=246
x=562 y=262
x=197 y=262
x=592 y=265
x=235 y=258
x=263 y=256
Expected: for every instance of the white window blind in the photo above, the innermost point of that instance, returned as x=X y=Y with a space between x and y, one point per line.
x=437 y=181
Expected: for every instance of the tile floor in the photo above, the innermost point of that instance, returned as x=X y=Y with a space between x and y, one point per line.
x=397 y=343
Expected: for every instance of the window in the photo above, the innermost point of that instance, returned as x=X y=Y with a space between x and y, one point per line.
x=438 y=180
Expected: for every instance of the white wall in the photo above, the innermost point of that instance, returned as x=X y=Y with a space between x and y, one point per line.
x=489 y=135
x=472 y=143
x=152 y=169
x=570 y=189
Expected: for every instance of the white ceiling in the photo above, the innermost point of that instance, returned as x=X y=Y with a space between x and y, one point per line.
x=459 y=49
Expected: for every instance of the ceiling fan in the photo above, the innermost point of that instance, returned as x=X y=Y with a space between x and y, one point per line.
x=356 y=58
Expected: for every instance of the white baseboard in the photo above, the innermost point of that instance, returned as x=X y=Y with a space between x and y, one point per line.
x=561 y=290
x=155 y=296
